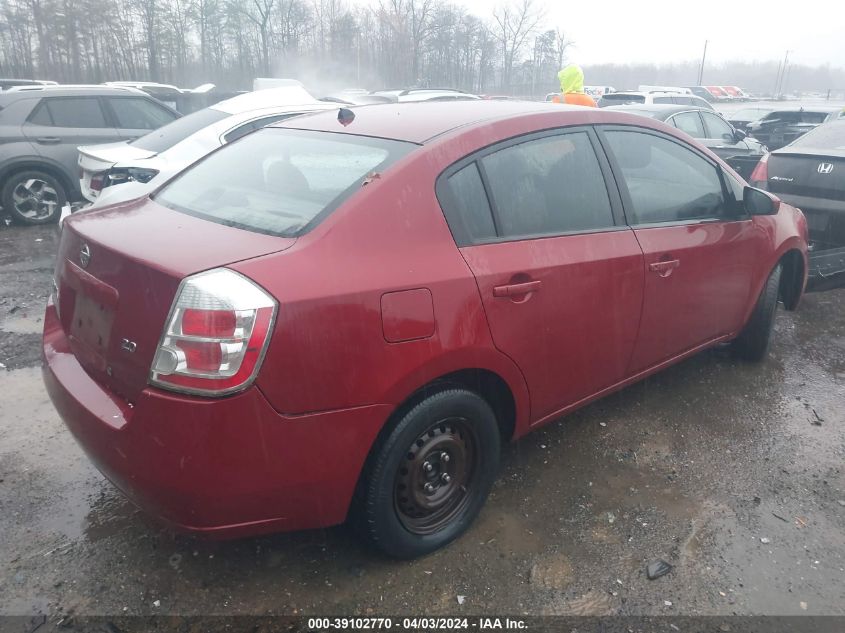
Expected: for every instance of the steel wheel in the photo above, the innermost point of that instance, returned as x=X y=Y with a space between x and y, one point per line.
x=429 y=475
x=433 y=480
x=35 y=199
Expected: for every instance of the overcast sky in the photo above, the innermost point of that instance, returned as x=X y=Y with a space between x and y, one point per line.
x=675 y=30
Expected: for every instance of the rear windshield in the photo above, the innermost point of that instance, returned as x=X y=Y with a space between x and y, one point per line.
x=622 y=98
x=749 y=114
x=828 y=136
x=167 y=136
x=277 y=180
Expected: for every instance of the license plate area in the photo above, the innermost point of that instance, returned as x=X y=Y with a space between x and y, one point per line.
x=92 y=323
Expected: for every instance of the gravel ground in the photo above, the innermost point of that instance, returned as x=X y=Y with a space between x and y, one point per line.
x=731 y=472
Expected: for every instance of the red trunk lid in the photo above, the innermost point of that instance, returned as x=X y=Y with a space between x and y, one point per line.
x=115 y=295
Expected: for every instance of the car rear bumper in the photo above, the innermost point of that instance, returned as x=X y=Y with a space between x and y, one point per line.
x=227 y=467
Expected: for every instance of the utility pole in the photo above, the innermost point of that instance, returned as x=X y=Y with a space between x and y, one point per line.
x=701 y=68
x=781 y=74
x=785 y=77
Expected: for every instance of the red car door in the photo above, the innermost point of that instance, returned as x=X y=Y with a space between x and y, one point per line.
x=560 y=275
x=699 y=247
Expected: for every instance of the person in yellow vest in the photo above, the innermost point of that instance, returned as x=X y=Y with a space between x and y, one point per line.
x=572 y=87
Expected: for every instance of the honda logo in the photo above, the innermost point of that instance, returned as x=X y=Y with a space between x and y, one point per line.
x=825 y=168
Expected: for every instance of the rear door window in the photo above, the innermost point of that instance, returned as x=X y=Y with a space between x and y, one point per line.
x=666 y=182
x=664 y=100
x=548 y=186
x=79 y=112
x=136 y=113
x=279 y=180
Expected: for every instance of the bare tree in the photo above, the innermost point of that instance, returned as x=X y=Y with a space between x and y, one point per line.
x=515 y=23
x=258 y=12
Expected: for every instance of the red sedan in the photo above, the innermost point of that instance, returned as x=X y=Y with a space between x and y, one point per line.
x=345 y=316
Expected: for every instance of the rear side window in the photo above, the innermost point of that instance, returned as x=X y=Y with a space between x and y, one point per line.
x=666 y=182
x=84 y=112
x=548 y=186
x=466 y=207
x=166 y=137
x=139 y=114
x=41 y=116
x=690 y=123
x=278 y=180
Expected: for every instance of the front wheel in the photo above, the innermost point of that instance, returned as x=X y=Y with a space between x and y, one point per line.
x=429 y=478
x=753 y=342
x=33 y=197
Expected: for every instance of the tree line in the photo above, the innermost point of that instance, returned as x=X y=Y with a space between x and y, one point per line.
x=330 y=45
x=396 y=43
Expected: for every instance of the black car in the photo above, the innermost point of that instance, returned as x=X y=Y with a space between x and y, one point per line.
x=809 y=173
x=781 y=127
x=710 y=129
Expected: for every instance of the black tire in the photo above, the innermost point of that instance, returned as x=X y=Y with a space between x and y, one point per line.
x=33 y=197
x=752 y=344
x=396 y=512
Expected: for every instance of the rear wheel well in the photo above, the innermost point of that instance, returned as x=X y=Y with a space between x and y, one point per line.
x=58 y=174
x=483 y=382
x=792 y=279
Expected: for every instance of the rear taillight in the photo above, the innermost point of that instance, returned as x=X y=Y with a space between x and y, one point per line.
x=216 y=335
x=97 y=181
x=120 y=175
x=761 y=171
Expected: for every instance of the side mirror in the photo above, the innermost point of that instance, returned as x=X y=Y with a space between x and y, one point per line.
x=759 y=202
x=739 y=135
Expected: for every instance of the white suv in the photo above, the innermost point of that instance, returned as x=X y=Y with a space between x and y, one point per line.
x=655 y=97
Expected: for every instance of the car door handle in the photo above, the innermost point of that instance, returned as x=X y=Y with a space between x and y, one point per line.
x=48 y=140
x=664 y=268
x=515 y=290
